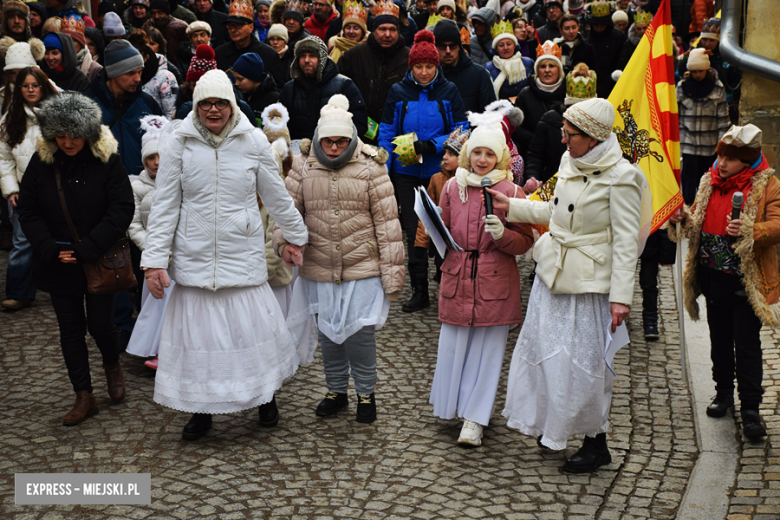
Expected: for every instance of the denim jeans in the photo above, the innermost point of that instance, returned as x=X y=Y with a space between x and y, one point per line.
x=18 y=278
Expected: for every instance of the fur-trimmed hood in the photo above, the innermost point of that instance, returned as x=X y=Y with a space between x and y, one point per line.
x=277 y=11
x=103 y=148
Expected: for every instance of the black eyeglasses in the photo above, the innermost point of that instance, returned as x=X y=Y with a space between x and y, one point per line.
x=341 y=143
x=566 y=135
x=221 y=104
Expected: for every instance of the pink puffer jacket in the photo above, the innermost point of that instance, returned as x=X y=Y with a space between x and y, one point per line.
x=352 y=217
x=480 y=286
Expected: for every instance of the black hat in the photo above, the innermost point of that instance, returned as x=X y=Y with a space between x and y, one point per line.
x=446 y=31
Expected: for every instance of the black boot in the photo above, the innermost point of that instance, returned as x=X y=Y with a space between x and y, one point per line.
x=332 y=403
x=269 y=414
x=419 y=299
x=197 y=427
x=650 y=324
x=366 y=408
x=751 y=425
x=593 y=454
x=720 y=405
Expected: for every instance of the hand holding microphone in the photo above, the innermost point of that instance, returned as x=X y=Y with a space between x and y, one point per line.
x=487 y=183
x=734 y=222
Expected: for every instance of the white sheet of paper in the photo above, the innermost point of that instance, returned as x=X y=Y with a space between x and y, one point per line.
x=437 y=239
x=615 y=343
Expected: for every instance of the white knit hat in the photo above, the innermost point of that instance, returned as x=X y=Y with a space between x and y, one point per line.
x=24 y=54
x=335 y=118
x=216 y=84
x=550 y=57
x=594 y=116
x=445 y=3
x=488 y=136
x=504 y=36
x=198 y=26
x=278 y=30
x=150 y=142
x=619 y=16
x=698 y=59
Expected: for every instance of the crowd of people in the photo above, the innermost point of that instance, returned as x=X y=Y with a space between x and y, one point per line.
x=264 y=160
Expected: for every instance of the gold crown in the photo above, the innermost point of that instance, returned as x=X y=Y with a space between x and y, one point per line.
x=501 y=28
x=433 y=20
x=711 y=26
x=72 y=23
x=549 y=48
x=599 y=9
x=465 y=36
x=297 y=6
x=581 y=87
x=387 y=8
x=457 y=139
x=644 y=17
x=241 y=9
x=356 y=11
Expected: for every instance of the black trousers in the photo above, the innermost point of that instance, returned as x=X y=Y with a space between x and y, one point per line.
x=693 y=167
x=74 y=324
x=404 y=194
x=734 y=336
x=658 y=250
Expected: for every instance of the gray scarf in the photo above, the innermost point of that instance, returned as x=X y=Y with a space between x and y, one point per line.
x=341 y=160
x=214 y=140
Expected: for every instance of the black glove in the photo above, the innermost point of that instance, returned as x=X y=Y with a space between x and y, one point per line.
x=423 y=147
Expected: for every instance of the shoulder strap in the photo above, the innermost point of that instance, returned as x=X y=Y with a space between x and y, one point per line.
x=61 y=193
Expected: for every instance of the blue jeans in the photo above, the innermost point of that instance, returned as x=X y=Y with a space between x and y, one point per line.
x=18 y=278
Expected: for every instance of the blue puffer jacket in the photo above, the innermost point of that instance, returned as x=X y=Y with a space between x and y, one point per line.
x=432 y=112
x=127 y=127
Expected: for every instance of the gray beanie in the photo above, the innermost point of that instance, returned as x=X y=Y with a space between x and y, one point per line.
x=121 y=57
x=112 y=26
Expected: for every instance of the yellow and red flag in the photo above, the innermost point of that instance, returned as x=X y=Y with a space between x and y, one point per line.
x=646 y=120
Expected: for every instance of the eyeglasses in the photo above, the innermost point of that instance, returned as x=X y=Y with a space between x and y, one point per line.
x=32 y=86
x=446 y=46
x=566 y=135
x=221 y=104
x=341 y=143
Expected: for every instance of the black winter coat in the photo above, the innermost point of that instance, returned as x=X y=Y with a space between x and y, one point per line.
x=100 y=202
x=69 y=77
x=265 y=94
x=583 y=52
x=473 y=82
x=534 y=102
x=546 y=149
x=219 y=34
x=304 y=98
x=227 y=54
x=374 y=70
x=607 y=45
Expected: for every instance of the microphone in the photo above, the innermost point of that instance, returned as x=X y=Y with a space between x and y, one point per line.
x=487 y=183
x=736 y=207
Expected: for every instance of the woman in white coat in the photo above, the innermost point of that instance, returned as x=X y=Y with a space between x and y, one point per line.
x=19 y=132
x=559 y=384
x=224 y=345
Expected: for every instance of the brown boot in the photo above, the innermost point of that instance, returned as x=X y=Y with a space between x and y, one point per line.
x=85 y=406
x=116 y=382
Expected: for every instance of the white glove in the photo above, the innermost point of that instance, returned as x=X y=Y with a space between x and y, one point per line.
x=493 y=226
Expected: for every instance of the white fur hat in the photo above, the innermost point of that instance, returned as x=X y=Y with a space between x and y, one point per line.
x=214 y=83
x=335 y=118
x=24 y=54
x=698 y=59
x=594 y=116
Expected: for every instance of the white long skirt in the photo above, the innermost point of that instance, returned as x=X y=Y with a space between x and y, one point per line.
x=468 y=367
x=559 y=385
x=145 y=340
x=222 y=351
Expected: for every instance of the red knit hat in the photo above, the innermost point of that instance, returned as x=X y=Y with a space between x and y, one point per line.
x=424 y=49
x=201 y=63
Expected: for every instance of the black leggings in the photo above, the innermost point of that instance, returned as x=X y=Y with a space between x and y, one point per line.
x=73 y=323
x=404 y=194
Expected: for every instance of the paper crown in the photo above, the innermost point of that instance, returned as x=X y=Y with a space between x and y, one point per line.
x=583 y=86
x=549 y=48
x=600 y=9
x=645 y=17
x=72 y=23
x=465 y=36
x=501 y=28
x=712 y=28
x=457 y=139
x=433 y=20
x=387 y=8
x=241 y=9
x=355 y=10
x=297 y=6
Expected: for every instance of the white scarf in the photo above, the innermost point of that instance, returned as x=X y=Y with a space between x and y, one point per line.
x=512 y=69
x=466 y=178
x=549 y=88
x=526 y=6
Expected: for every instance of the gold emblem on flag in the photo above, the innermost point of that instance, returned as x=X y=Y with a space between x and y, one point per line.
x=634 y=142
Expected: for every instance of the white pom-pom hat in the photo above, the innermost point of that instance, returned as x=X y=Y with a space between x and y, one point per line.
x=335 y=118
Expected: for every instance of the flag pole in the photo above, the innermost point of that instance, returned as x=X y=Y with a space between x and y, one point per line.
x=680 y=307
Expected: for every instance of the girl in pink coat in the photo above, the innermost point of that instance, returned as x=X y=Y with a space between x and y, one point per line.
x=479 y=294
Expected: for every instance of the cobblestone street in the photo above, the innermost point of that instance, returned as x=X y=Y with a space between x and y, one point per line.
x=405 y=465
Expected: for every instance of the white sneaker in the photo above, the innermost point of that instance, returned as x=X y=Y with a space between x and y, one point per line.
x=470 y=434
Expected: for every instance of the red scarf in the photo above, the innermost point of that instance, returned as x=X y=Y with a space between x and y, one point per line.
x=722 y=192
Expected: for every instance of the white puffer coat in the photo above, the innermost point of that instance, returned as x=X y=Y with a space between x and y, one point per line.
x=143 y=191
x=13 y=162
x=205 y=208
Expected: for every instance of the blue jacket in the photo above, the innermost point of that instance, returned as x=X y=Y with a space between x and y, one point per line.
x=507 y=91
x=431 y=112
x=126 y=128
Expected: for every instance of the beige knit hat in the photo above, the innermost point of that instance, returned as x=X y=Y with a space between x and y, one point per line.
x=198 y=26
x=335 y=118
x=278 y=30
x=698 y=59
x=595 y=117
